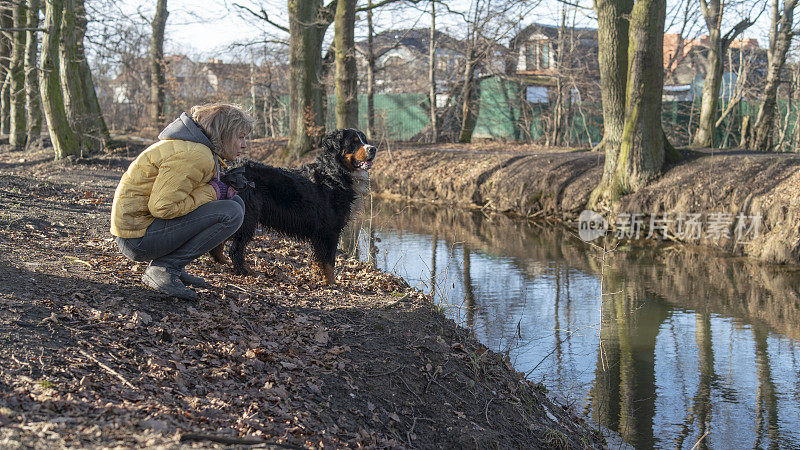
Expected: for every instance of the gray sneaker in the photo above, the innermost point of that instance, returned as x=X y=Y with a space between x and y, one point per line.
x=192 y=280
x=167 y=282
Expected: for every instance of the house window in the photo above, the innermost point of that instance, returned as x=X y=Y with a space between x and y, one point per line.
x=537 y=94
x=537 y=55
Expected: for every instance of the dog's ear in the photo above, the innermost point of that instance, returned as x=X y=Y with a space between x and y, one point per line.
x=332 y=142
x=360 y=136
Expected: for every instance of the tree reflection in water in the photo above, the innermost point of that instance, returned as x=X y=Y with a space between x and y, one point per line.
x=686 y=347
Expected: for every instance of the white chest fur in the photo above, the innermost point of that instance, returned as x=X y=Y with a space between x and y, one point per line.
x=362 y=187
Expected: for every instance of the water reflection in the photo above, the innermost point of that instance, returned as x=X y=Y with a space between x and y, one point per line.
x=685 y=348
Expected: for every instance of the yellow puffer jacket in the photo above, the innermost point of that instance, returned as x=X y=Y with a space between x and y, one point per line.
x=169 y=179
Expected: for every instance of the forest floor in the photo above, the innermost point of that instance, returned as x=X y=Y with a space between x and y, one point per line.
x=89 y=357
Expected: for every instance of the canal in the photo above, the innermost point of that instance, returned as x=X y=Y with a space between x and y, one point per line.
x=683 y=347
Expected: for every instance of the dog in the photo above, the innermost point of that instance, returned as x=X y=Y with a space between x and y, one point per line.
x=312 y=203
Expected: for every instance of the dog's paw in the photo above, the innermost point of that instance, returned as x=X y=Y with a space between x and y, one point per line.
x=242 y=271
x=218 y=254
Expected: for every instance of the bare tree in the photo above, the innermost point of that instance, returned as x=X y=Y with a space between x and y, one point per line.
x=65 y=143
x=370 y=56
x=80 y=98
x=157 y=63
x=469 y=113
x=346 y=76
x=119 y=46
x=17 y=127
x=32 y=100
x=634 y=143
x=6 y=22
x=780 y=38
x=432 y=75
x=487 y=24
x=308 y=22
x=716 y=47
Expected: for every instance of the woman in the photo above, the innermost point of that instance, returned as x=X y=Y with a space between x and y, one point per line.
x=170 y=206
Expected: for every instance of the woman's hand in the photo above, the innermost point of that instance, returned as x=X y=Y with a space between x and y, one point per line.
x=223 y=191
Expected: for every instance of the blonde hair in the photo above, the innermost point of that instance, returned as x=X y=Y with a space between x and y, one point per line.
x=221 y=122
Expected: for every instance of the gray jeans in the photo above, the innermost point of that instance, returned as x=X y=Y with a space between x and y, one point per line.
x=174 y=243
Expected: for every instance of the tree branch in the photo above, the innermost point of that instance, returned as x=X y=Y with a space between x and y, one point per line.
x=384 y=2
x=263 y=16
x=734 y=32
x=23 y=29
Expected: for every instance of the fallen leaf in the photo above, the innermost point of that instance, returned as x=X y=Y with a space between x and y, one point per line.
x=321 y=337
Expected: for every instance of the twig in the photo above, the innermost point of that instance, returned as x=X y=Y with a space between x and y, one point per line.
x=188 y=437
x=229 y=440
x=237 y=287
x=383 y=373
x=697 y=444
x=78 y=260
x=486 y=412
x=108 y=369
x=410 y=432
x=409 y=389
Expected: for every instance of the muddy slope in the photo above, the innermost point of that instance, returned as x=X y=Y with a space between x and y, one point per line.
x=557 y=185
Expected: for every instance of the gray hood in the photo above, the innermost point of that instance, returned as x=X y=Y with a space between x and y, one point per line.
x=184 y=129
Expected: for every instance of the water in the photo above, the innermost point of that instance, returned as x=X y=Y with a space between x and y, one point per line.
x=686 y=345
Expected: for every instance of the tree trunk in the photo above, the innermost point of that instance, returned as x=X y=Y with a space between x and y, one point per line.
x=34 y=118
x=780 y=38
x=706 y=129
x=637 y=153
x=612 y=37
x=370 y=74
x=346 y=71
x=157 y=79
x=642 y=150
x=717 y=45
x=306 y=118
x=559 y=109
x=18 y=128
x=64 y=140
x=81 y=104
x=98 y=130
x=69 y=71
x=432 y=74
x=468 y=113
x=6 y=21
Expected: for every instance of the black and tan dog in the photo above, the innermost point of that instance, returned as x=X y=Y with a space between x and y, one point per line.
x=313 y=202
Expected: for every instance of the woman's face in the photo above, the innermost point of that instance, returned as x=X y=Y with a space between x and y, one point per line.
x=236 y=146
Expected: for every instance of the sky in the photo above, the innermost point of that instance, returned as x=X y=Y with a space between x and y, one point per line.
x=210 y=26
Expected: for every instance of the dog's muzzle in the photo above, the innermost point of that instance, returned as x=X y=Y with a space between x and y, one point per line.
x=370 y=155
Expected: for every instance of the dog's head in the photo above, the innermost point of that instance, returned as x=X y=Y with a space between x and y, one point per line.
x=351 y=148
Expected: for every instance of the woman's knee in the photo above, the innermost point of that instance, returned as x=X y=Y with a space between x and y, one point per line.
x=130 y=249
x=232 y=212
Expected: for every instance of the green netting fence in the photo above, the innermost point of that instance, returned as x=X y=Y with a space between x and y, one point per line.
x=505 y=114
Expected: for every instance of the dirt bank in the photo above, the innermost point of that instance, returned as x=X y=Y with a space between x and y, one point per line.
x=91 y=358
x=557 y=185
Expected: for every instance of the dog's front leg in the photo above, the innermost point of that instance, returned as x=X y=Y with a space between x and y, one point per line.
x=324 y=256
x=239 y=242
x=217 y=253
x=325 y=271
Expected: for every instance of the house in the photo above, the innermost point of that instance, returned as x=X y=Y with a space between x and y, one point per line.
x=535 y=57
x=542 y=55
x=685 y=69
x=401 y=60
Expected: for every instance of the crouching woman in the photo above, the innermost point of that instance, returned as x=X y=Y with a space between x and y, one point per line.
x=171 y=207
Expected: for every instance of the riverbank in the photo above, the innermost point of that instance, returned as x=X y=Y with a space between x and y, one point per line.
x=538 y=183
x=91 y=358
